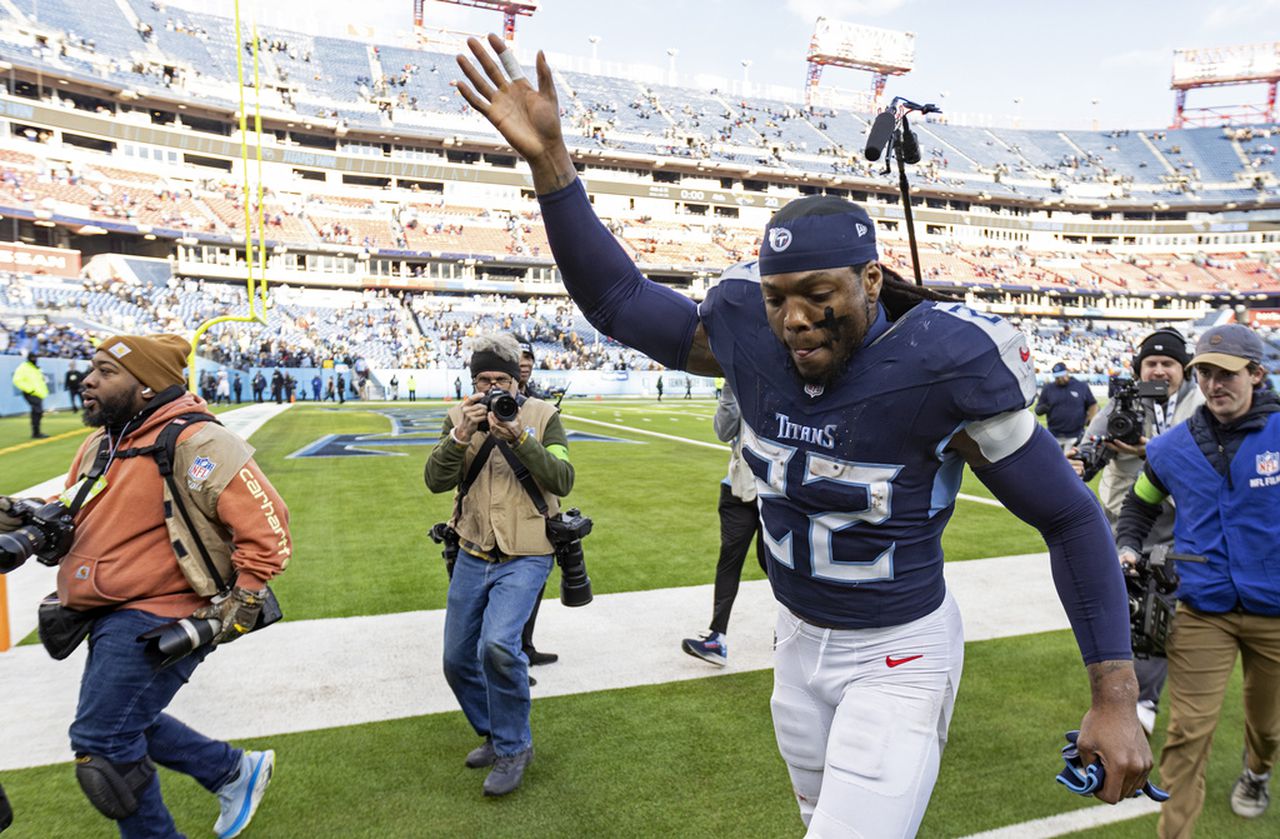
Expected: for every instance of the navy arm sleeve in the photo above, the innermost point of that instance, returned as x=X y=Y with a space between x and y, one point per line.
x=1038 y=486
x=612 y=293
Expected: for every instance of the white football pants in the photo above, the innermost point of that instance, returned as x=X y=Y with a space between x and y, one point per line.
x=861 y=718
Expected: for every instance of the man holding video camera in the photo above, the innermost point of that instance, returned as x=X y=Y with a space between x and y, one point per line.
x=1222 y=467
x=137 y=551
x=1162 y=357
x=497 y=449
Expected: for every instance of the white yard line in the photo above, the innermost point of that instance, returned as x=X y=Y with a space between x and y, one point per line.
x=1074 y=821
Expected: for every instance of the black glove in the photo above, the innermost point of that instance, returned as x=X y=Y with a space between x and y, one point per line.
x=237 y=612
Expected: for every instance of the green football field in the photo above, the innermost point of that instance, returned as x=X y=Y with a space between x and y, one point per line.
x=687 y=758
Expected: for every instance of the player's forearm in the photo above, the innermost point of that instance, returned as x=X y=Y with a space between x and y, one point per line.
x=1038 y=486
x=553 y=171
x=1113 y=683
x=608 y=287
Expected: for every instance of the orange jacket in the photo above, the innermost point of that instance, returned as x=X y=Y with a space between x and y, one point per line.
x=122 y=553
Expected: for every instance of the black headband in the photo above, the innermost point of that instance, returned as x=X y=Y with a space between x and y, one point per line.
x=487 y=361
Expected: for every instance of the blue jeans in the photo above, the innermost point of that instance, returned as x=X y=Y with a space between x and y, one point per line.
x=484 y=664
x=121 y=718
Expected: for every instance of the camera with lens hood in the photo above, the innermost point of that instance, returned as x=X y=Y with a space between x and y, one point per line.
x=46 y=533
x=501 y=404
x=566 y=532
x=1124 y=422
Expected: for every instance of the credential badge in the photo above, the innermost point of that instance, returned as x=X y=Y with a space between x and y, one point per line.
x=779 y=239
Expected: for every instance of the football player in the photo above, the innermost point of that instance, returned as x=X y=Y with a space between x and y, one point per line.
x=862 y=399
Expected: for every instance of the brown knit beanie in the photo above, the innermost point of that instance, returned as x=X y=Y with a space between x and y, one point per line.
x=155 y=360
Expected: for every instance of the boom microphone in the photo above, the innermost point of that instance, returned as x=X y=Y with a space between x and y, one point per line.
x=881 y=134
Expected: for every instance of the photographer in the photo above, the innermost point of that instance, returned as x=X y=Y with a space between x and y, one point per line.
x=134 y=566
x=1222 y=468
x=1162 y=357
x=505 y=554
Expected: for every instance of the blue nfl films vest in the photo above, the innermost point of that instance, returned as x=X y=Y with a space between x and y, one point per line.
x=1231 y=523
x=855 y=483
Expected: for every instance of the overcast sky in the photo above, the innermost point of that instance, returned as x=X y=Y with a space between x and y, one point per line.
x=1054 y=57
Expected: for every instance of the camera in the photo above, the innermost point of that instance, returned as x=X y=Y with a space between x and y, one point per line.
x=1124 y=423
x=442 y=534
x=566 y=532
x=1151 y=585
x=503 y=405
x=47 y=531
x=172 y=642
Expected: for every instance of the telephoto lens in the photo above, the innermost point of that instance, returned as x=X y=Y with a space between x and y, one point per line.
x=173 y=642
x=17 y=546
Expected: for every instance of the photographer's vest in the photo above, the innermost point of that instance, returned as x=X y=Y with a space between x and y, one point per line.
x=200 y=489
x=1230 y=521
x=497 y=511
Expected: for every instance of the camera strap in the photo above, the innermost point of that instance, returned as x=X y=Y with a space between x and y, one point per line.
x=100 y=461
x=524 y=476
x=482 y=456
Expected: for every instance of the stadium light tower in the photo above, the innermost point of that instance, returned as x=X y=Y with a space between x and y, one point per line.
x=671 y=63
x=1225 y=67
x=510 y=10
x=882 y=52
x=746 y=69
x=594 y=41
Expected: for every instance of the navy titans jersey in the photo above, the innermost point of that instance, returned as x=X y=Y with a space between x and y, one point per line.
x=854 y=486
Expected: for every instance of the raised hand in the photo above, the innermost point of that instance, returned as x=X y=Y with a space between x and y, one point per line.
x=527 y=118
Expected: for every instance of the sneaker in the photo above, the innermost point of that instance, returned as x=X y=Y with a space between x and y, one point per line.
x=1147 y=716
x=241 y=795
x=536 y=658
x=1249 y=797
x=482 y=755
x=507 y=772
x=712 y=647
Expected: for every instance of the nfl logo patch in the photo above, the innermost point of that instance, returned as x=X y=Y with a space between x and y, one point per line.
x=1268 y=463
x=201 y=468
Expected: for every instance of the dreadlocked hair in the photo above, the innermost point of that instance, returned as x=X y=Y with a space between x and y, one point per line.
x=899 y=296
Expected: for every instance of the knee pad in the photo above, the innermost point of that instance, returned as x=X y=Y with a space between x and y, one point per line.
x=113 y=788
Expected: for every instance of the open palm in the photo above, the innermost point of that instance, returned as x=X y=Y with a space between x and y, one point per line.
x=527 y=117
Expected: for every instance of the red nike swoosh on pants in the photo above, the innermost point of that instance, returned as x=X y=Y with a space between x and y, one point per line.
x=890 y=661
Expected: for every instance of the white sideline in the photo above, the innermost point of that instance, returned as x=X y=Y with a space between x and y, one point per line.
x=30 y=583
x=341 y=671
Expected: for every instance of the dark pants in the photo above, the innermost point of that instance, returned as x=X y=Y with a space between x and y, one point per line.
x=121 y=718
x=1151 y=673
x=37 y=411
x=74 y=395
x=739 y=523
x=526 y=637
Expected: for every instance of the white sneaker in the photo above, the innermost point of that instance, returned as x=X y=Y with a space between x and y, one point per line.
x=241 y=795
x=1147 y=716
x=1249 y=797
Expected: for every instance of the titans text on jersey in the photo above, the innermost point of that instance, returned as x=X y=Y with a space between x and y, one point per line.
x=855 y=482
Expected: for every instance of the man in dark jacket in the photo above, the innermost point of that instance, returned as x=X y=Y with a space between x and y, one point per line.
x=1222 y=468
x=1069 y=404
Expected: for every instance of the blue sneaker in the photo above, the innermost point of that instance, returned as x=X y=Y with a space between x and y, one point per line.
x=711 y=647
x=241 y=795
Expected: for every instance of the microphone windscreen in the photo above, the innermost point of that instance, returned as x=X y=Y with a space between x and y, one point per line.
x=881 y=132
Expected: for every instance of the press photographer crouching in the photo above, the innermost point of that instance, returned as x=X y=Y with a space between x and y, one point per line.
x=1222 y=468
x=489 y=442
x=166 y=524
x=1115 y=443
